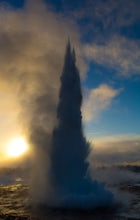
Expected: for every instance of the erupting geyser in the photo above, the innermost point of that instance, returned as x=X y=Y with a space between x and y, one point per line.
x=71 y=185
x=69 y=148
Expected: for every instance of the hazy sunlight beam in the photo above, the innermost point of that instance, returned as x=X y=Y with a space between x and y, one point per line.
x=17 y=147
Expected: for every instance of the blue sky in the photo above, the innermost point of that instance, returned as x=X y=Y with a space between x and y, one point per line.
x=122 y=117
x=123 y=113
x=106 y=35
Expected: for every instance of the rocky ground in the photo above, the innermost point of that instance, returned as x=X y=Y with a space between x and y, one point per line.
x=14 y=205
x=15 y=200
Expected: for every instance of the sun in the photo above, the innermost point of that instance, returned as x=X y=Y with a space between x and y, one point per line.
x=17 y=147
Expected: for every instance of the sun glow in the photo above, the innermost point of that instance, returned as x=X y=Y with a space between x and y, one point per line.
x=17 y=147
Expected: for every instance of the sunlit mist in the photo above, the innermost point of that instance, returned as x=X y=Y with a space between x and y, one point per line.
x=17 y=147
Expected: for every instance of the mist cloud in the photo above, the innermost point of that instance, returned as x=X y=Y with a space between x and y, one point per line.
x=117 y=53
x=31 y=56
x=116 y=150
x=105 y=18
x=109 y=154
x=98 y=100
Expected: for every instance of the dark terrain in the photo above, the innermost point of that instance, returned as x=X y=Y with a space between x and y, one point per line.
x=15 y=201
